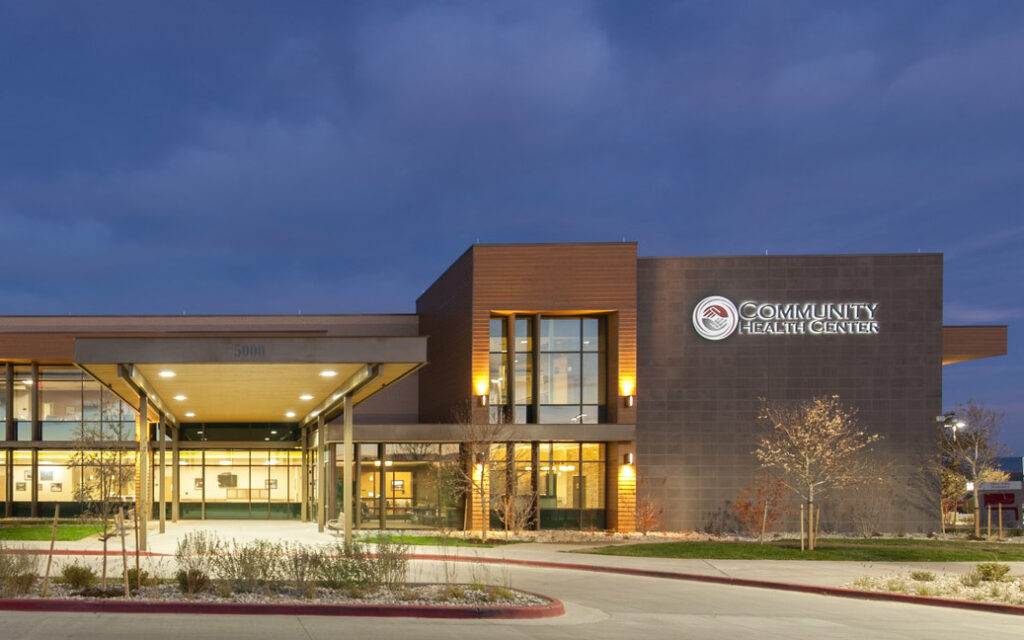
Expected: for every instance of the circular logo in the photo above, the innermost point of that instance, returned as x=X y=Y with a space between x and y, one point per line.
x=715 y=318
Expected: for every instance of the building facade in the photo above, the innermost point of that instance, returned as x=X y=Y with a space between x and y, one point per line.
x=558 y=382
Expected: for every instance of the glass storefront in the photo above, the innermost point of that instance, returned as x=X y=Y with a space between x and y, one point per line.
x=239 y=483
x=420 y=485
x=403 y=486
x=572 y=485
x=70 y=478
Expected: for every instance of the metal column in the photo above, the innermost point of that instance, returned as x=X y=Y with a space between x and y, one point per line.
x=37 y=435
x=175 y=475
x=304 y=488
x=163 y=473
x=332 y=482
x=347 y=460
x=321 y=476
x=142 y=504
x=12 y=434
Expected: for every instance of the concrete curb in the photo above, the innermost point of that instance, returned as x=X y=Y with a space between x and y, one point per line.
x=991 y=607
x=553 y=608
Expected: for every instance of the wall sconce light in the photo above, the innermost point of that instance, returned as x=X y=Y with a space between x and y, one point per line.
x=627 y=458
x=482 y=400
x=628 y=400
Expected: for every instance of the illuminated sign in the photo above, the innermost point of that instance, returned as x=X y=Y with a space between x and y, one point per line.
x=716 y=318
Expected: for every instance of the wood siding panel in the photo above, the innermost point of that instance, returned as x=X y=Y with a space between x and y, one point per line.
x=960 y=344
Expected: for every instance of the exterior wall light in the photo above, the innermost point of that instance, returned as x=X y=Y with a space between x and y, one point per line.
x=627 y=458
x=480 y=389
x=628 y=400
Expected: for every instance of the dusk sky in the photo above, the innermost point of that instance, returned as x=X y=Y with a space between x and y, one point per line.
x=250 y=157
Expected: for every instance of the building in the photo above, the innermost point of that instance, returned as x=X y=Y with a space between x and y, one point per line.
x=602 y=371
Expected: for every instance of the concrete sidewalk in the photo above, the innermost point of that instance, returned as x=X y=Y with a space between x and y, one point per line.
x=809 y=572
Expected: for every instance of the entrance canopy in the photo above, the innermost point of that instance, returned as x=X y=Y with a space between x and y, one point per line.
x=252 y=379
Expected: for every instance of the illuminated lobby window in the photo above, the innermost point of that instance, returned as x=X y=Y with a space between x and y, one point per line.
x=570 y=365
x=571 y=371
x=239 y=483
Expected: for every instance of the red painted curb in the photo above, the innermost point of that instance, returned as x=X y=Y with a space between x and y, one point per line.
x=552 y=609
x=991 y=607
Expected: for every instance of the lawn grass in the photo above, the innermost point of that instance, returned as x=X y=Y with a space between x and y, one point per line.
x=438 y=541
x=42 y=532
x=877 y=550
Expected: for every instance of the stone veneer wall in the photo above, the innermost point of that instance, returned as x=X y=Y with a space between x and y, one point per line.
x=697 y=400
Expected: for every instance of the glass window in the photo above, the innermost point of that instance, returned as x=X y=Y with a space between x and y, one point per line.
x=560 y=378
x=3 y=403
x=592 y=334
x=499 y=379
x=498 y=340
x=572 y=485
x=560 y=334
x=60 y=395
x=23 y=402
x=572 y=371
x=524 y=335
x=22 y=479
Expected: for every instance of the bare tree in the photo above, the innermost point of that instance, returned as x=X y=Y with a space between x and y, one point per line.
x=647 y=510
x=971 y=449
x=103 y=453
x=815 y=446
x=473 y=474
x=513 y=507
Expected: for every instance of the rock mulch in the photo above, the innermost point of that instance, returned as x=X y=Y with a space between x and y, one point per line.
x=432 y=595
x=958 y=587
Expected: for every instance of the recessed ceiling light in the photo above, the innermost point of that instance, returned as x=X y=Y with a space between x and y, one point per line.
x=180 y=397
x=167 y=373
x=328 y=373
x=305 y=396
x=190 y=414
x=273 y=432
x=290 y=414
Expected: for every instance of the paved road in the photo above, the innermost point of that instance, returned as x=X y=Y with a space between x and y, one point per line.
x=599 y=606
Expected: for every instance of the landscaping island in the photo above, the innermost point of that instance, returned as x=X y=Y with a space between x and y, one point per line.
x=211 y=575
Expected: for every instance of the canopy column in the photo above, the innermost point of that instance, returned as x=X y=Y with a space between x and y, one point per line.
x=142 y=503
x=163 y=473
x=347 y=461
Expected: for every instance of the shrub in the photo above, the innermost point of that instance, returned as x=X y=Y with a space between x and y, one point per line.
x=971 y=579
x=340 y=571
x=922 y=576
x=992 y=571
x=250 y=566
x=196 y=552
x=392 y=563
x=300 y=565
x=192 y=581
x=78 y=576
x=18 y=572
x=138 y=579
x=761 y=501
x=20 y=584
